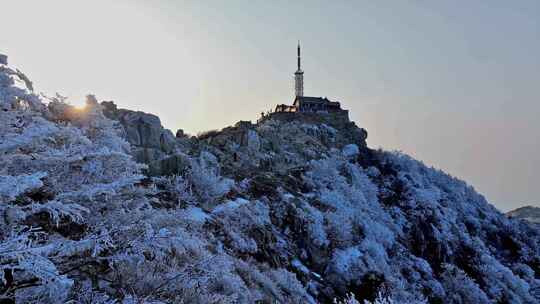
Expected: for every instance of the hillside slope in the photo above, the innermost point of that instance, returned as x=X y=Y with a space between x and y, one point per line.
x=528 y=213
x=282 y=211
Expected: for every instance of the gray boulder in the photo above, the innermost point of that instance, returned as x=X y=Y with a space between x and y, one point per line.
x=151 y=142
x=175 y=164
x=167 y=141
x=143 y=130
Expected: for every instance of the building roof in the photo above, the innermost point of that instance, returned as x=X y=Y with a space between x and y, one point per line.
x=309 y=99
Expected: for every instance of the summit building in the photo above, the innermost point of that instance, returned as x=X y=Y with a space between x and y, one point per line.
x=307 y=104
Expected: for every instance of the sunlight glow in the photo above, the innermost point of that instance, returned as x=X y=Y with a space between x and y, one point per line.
x=79 y=102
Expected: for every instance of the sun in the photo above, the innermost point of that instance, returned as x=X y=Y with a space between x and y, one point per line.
x=79 y=107
x=78 y=102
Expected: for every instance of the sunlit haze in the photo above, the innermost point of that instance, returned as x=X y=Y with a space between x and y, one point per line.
x=454 y=84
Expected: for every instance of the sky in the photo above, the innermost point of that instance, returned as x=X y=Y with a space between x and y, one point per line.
x=452 y=83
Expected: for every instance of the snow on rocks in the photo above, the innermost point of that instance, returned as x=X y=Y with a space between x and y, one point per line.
x=350 y=150
x=253 y=140
x=230 y=205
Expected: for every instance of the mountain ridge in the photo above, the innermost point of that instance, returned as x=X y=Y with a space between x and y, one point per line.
x=528 y=213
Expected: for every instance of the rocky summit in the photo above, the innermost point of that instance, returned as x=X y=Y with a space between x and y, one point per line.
x=104 y=205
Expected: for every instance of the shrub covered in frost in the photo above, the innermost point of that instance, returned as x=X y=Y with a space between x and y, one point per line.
x=296 y=216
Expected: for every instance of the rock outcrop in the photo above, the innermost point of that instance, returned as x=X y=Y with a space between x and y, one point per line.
x=151 y=142
x=243 y=147
x=281 y=143
x=349 y=132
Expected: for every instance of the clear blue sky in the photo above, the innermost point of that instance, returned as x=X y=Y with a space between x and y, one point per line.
x=453 y=83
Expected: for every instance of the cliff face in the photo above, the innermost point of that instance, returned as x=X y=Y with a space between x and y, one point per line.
x=287 y=211
x=150 y=141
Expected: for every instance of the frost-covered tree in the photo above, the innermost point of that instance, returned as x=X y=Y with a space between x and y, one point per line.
x=82 y=223
x=60 y=167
